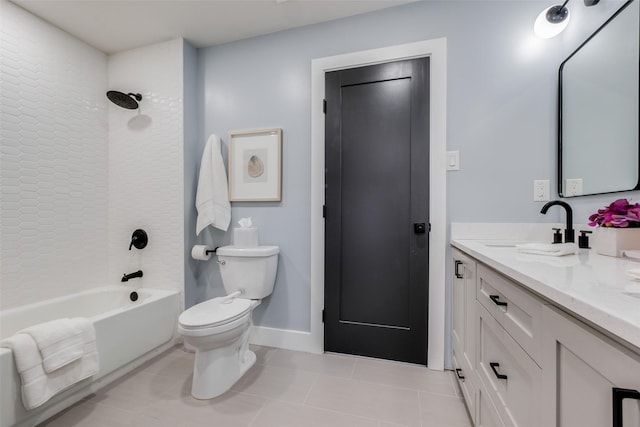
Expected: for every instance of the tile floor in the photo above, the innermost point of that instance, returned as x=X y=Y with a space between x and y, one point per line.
x=283 y=389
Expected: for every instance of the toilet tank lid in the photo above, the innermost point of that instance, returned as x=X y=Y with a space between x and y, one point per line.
x=257 y=251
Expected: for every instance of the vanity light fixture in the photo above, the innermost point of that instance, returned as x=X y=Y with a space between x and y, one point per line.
x=554 y=19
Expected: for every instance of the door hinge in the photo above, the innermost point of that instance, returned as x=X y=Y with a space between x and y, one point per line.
x=429 y=227
x=324 y=211
x=322 y=316
x=324 y=106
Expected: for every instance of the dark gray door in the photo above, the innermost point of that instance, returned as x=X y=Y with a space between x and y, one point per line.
x=377 y=210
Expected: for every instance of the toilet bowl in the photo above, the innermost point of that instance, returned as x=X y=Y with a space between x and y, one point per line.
x=219 y=328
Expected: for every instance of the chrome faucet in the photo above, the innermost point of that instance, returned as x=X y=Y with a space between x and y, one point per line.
x=569 y=232
x=126 y=277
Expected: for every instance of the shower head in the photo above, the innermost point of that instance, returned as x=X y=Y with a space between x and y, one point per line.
x=124 y=100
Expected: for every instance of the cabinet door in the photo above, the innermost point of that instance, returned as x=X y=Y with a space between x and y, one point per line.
x=457 y=302
x=463 y=296
x=582 y=370
x=463 y=327
x=468 y=386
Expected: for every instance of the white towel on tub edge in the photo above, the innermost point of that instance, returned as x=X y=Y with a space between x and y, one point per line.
x=61 y=341
x=38 y=386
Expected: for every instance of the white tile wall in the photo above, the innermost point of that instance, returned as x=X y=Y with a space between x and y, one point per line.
x=146 y=157
x=79 y=174
x=53 y=161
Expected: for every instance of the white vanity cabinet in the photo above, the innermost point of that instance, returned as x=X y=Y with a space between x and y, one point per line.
x=528 y=361
x=587 y=375
x=463 y=326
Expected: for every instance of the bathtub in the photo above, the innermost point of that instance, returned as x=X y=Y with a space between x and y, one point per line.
x=128 y=333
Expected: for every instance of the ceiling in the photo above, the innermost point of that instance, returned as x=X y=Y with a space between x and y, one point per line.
x=117 y=25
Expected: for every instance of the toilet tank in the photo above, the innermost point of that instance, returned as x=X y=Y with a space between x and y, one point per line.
x=250 y=270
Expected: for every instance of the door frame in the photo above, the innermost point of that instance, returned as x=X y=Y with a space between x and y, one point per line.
x=437 y=51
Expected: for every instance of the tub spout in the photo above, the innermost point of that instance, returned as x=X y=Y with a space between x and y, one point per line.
x=126 y=277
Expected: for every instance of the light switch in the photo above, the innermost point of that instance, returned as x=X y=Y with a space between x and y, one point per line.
x=453 y=160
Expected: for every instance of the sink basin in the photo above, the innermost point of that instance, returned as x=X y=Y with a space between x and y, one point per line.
x=500 y=243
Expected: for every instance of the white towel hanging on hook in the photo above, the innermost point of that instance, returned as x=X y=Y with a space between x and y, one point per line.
x=212 y=196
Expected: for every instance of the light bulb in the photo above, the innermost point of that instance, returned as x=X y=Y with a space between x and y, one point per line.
x=551 y=21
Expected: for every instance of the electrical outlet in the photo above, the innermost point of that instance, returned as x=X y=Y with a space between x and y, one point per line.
x=573 y=187
x=541 y=190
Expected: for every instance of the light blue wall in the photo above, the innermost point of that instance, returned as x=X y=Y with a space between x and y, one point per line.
x=501 y=115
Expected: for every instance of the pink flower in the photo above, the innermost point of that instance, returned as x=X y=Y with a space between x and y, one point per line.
x=620 y=213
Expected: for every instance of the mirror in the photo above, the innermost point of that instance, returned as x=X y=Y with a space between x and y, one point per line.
x=598 y=146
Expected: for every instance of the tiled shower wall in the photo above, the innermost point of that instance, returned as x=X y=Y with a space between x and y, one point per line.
x=146 y=166
x=53 y=161
x=79 y=174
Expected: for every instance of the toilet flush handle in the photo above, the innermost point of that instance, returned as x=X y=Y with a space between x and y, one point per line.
x=229 y=298
x=221 y=262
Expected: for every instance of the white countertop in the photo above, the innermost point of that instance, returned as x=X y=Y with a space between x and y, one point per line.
x=594 y=287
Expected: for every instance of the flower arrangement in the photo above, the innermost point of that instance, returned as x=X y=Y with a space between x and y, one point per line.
x=619 y=214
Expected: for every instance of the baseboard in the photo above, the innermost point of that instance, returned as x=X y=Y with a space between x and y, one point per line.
x=283 y=338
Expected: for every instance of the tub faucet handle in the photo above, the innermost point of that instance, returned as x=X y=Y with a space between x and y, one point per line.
x=139 y=239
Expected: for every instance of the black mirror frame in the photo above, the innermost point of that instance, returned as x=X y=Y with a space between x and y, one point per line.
x=560 y=189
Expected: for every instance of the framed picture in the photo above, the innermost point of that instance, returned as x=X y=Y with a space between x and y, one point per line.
x=255 y=165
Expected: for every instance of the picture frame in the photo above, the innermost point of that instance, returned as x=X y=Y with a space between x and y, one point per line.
x=255 y=165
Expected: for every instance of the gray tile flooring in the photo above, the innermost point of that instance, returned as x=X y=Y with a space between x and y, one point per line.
x=283 y=389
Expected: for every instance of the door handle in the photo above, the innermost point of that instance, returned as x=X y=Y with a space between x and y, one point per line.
x=618 y=395
x=419 y=227
x=496 y=300
x=460 y=377
x=456 y=272
x=494 y=368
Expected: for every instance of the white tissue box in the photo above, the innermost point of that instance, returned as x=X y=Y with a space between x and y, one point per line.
x=245 y=237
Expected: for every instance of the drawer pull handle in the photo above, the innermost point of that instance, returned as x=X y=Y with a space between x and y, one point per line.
x=498 y=375
x=496 y=300
x=460 y=377
x=618 y=395
x=457 y=273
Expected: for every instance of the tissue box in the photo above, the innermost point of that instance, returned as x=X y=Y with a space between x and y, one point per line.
x=245 y=237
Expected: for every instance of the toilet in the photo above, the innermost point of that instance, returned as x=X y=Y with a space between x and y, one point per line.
x=219 y=328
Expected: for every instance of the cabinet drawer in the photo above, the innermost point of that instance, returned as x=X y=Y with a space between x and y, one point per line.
x=487 y=414
x=511 y=378
x=466 y=381
x=519 y=312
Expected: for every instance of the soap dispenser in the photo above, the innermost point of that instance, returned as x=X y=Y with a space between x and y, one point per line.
x=583 y=239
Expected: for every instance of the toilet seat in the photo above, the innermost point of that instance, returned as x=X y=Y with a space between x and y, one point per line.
x=215 y=312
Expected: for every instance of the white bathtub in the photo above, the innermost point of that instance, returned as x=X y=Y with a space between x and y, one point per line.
x=127 y=334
